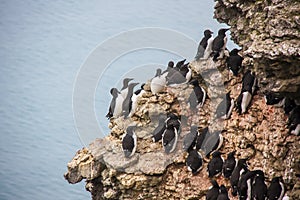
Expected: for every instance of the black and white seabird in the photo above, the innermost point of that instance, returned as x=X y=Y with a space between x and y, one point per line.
x=274 y=99
x=179 y=64
x=158 y=82
x=173 y=120
x=294 y=121
x=245 y=185
x=229 y=165
x=213 y=191
x=205 y=46
x=127 y=103
x=186 y=72
x=115 y=108
x=201 y=137
x=219 y=44
x=212 y=142
x=129 y=142
x=136 y=95
x=178 y=74
x=235 y=176
x=215 y=165
x=248 y=88
x=259 y=187
x=289 y=105
x=124 y=89
x=194 y=161
x=190 y=139
x=223 y=194
x=276 y=189
x=234 y=62
x=159 y=130
x=169 y=138
x=197 y=96
x=225 y=107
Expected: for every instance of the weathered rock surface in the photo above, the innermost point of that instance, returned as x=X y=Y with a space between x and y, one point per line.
x=269 y=33
x=259 y=135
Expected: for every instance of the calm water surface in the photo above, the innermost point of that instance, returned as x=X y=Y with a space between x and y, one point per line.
x=42 y=46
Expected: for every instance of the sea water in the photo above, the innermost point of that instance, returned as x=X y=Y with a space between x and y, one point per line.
x=43 y=44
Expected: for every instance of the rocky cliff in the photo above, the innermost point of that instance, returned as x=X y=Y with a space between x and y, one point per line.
x=268 y=32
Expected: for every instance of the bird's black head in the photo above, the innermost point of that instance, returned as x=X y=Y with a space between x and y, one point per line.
x=231 y=154
x=259 y=173
x=276 y=179
x=125 y=82
x=158 y=72
x=222 y=31
x=223 y=189
x=242 y=162
x=216 y=154
x=171 y=64
x=132 y=85
x=234 y=52
x=114 y=91
x=207 y=33
x=172 y=116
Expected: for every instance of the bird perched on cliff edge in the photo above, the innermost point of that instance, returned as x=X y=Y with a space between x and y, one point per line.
x=235 y=176
x=194 y=161
x=159 y=130
x=219 y=44
x=197 y=96
x=223 y=195
x=294 y=121
x=115 y=108
x=129 y=142
x=215 y=165
x=124 y=89
x=229 y=164
x=234 y=62
x=136 y=95
x=248 y=88
x=276 y=189
x=259 y=187
x=213 y=191
x=225 y=107
x=205 y=46
x=127 y=103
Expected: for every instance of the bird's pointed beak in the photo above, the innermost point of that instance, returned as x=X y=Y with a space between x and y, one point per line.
x=227 y=29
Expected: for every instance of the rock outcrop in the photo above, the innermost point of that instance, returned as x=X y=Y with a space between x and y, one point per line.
x=259 y=135
x=268 y=32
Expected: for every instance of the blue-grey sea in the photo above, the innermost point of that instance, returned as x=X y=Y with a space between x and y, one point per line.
x=43 y=44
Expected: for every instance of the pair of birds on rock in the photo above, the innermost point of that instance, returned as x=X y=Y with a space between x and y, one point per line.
x=249 y=86
x=197 y=143
x=168 y=132
x=172 y=76
x=215 y=47
x=210 y=46
x=290 y=108
x=124 y=101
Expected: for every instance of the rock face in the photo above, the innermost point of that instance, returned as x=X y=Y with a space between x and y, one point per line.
x=269 y=33
x=260 y=135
